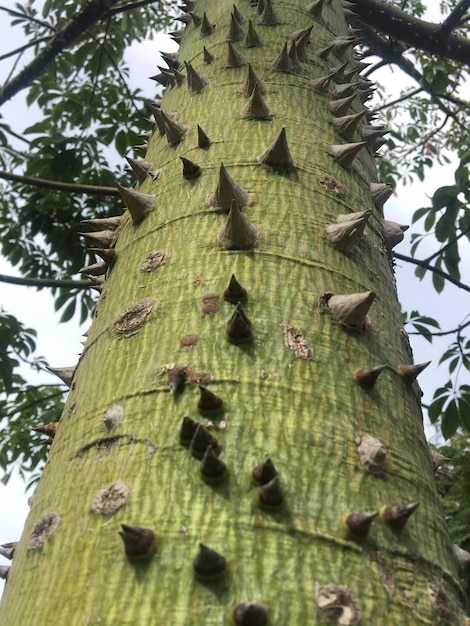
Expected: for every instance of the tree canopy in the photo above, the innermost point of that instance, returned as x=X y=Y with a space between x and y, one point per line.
x=59 y=167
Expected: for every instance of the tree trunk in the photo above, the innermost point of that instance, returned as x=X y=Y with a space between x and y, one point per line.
x=283 y=360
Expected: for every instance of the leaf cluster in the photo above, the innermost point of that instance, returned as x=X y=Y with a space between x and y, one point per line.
x=23 y=406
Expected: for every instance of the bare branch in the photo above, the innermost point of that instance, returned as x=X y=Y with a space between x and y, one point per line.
x=448 y=245
x=131 y=6
x=22 y=49
x=46 y=282
x=454 y=18
x=92 y=190
x=442 y=333
x=412 y=31
x=431 y=268
x=91 y=13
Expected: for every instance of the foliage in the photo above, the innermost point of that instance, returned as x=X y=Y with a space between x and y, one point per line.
x=23 y=406
x=453 y=483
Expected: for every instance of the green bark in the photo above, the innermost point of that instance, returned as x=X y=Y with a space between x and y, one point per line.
x=304 y=413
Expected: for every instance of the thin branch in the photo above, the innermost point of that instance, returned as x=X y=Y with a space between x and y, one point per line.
x=131 y=6
x=22 y=49
x=443 y=333
x=91 y=13
x=412 y=31
x=402 y=98
x=29 y=18
x=46 y=282
x=35 y=402
x=454 y=18
x=448 y=245
x=92 y=190
x=393 y=53
x=436 y=270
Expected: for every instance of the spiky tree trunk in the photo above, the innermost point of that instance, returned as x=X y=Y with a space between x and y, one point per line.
x=285 y=371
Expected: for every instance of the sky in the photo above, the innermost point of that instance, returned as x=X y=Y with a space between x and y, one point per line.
x=60 y=343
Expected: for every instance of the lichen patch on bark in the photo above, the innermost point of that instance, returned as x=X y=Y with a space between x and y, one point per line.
x=110 y=498
x=338 y=604
x=330 y=184
x=188 y=341
x=294 y=340
x=210 y=303
x=43 y=529
x=152 y=260
x=134 y=316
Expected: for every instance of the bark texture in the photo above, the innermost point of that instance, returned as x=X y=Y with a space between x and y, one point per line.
x=273 y=377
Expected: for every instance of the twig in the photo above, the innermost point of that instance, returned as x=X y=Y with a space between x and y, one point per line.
x=442 y=333
x=402 y=98
x=436 y=270
x=22 y=49
x=46 y=282
x=92 y=190
x=448 y=245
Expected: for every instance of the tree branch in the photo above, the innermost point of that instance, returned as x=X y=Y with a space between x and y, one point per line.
x=442 y=333
x=130 y=7
x=430 y=267
x=454 y=18
x=92 y=190
x=21 y=49
x=448 y=245
x=46 y=282
x=393 y=53
x=412 y=31
x=91 y=13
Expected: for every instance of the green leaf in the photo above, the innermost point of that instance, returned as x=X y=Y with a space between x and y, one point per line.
x=444 y=195
x=435 y=408
x=450 y=420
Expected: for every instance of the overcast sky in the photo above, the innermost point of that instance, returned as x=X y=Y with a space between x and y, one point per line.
x=60 y=343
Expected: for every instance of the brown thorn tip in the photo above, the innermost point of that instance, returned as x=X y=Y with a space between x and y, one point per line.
x=256 y=109
x=227 y=191
x=138 y=204
x=349 y=310
x=277 y=155
x=209 y=564
x=234 y=57
x=203 y=140
x=346 y=153
x=409 y=373
x=239 y=326
x=264 y=472
x=212 y=468
x=176 y=379
x=64 y=373
x=235 y=292
x=367 y=376
x=4 y=571
x=7 y=550
x=190 y=169
x=270 y=496
x=201 y=440
x=348 y=230
x=250 y=614
x=358 y=524
x=396 y=516
x=187 y=430
x=238 y=232
x=47 y=429
x=208 y=402
x=196 y=80
x=139 y=543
